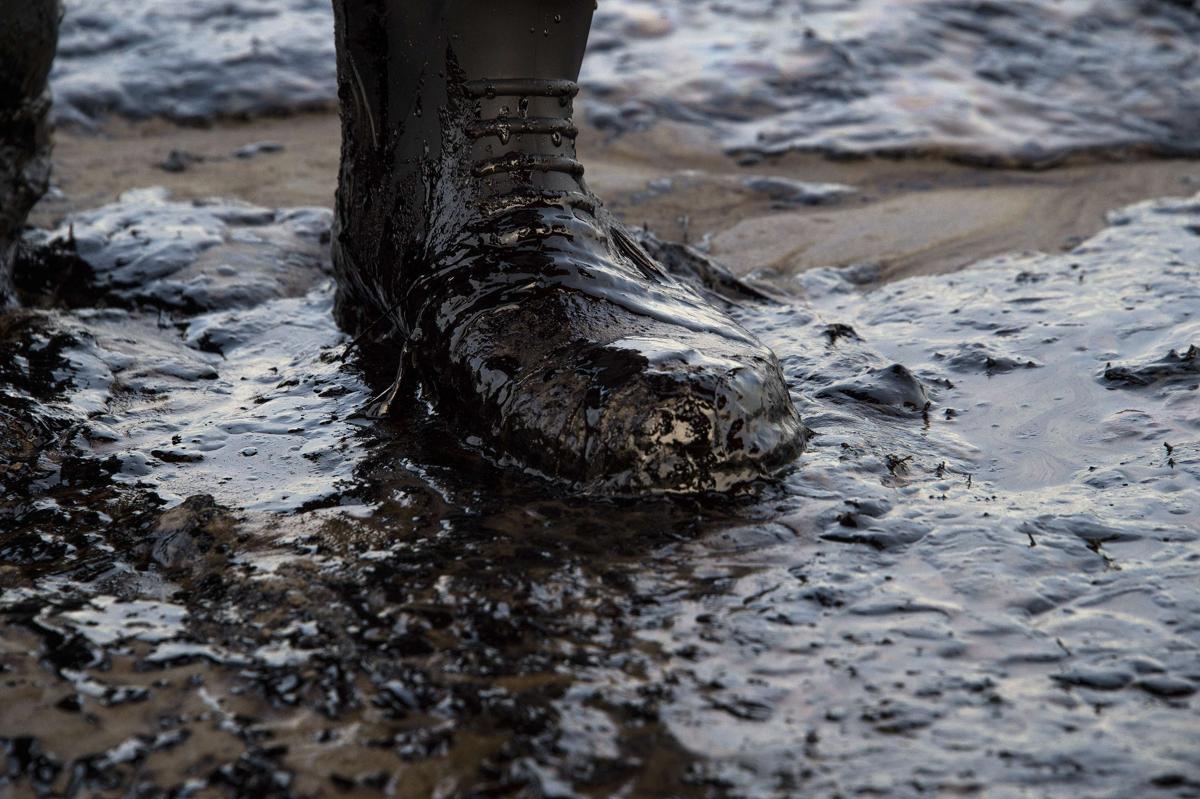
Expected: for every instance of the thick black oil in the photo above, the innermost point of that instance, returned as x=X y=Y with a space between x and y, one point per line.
x=219 y=577
x=993 y=82
x=979 y=580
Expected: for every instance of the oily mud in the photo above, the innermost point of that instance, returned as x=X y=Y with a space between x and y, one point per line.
x=1018 y=83
x=221 y=579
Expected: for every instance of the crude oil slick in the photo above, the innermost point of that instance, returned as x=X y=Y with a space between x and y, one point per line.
x=995 y=81
x=982 y=576
x=218 y=578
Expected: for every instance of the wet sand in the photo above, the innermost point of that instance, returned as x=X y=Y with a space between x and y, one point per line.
x=908 y=216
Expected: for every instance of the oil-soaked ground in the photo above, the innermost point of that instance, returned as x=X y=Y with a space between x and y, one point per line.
x=220 y=579
x=1013 y=81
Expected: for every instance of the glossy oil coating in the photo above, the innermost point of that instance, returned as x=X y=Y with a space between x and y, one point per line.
x=467 y=240
x=218 y=579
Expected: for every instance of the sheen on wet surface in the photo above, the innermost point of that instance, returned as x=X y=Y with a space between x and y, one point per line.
x=980 y=579
x=218 y=578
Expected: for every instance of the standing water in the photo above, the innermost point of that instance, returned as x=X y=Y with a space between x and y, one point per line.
x=1021 y=82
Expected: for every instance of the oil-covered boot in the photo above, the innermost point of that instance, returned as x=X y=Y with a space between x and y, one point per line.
x=465 y=234
x=28 y=37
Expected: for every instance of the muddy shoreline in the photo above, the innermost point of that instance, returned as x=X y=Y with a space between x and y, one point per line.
x=980 y=578
x=219 y=579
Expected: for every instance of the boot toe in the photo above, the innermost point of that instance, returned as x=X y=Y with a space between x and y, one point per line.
x=699 y=414
x=585 y=392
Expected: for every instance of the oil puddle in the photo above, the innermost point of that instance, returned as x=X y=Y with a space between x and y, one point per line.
x=980 y=577
x=1008 y=82
x=236 y=379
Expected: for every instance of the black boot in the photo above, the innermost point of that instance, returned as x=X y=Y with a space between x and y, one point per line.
x=464 y=231
x=28 y=37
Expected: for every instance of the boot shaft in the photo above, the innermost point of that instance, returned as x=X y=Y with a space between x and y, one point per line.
x=447 y=106
x=28 y=37
x=412 y=74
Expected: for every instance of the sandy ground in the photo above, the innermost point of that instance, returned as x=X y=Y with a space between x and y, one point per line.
x=908 y=216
